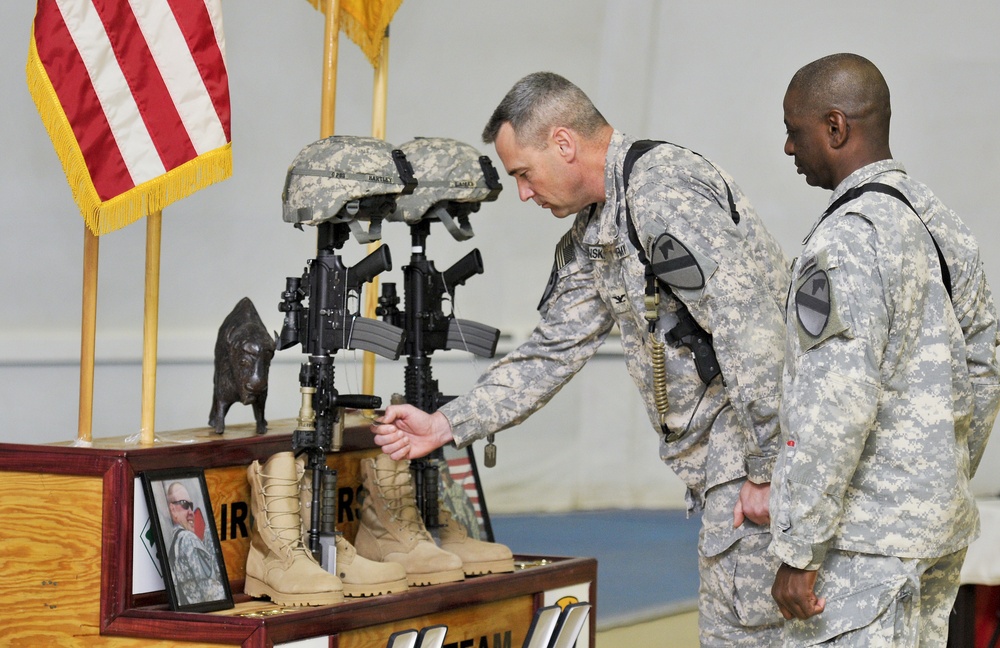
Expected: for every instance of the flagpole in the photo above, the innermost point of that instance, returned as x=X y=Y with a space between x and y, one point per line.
x=88 y=334
x=380 y=95
x=331 y=45
x=149 y=331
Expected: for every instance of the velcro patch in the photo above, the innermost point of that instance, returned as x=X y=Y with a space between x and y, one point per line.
x=620 y=302
x=812 y=303
x=565 y=254
x=674 y=264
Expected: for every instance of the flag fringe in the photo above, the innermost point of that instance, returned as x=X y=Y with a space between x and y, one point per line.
x=130 y=206
x=206 y=169
x=358 y=32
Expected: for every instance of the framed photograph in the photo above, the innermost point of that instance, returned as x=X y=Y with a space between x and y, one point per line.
x=461 y=491
x=194 y=571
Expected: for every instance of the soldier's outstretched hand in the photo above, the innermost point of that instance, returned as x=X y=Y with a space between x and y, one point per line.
x=407 y=432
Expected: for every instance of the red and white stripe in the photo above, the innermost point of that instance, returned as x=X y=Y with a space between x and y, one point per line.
x=461 y=471
x=142 y=83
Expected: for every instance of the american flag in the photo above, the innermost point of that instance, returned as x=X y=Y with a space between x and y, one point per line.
x=135 y=97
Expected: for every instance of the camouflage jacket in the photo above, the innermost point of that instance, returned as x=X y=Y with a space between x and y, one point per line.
x=597 y=283
x=195 y=570
x=888 y=397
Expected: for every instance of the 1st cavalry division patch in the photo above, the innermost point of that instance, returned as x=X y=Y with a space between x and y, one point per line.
x=812 y=303
x=674 y=264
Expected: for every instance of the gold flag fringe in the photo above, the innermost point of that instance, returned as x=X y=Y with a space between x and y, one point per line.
x=102 y=217
x=354 y=15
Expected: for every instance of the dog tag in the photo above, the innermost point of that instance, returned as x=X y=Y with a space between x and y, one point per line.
x=490 y=454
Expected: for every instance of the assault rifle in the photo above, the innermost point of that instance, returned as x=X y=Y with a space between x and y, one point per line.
x=326 y=325
x=429 y=329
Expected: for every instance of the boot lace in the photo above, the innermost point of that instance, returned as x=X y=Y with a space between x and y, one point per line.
x=285 y=525
x=397 y=492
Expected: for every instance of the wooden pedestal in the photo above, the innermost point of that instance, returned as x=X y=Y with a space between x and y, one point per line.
x=67 y=552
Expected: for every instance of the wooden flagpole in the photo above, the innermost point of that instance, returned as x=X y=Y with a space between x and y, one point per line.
x=150 y=327
x=380 y=95
x=88 y=334
x=331 y=45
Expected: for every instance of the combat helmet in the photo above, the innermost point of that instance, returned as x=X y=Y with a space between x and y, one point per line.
x=346 y=179
x=453 y=178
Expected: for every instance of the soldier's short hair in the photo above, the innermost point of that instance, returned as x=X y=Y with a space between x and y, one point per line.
x=540 y=102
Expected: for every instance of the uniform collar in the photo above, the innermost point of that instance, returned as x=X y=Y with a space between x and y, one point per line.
x=613 y=210
x=863 y=175
x=613 y=163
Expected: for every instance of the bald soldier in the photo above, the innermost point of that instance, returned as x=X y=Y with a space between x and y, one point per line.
x=701 y=333
x=890 y=386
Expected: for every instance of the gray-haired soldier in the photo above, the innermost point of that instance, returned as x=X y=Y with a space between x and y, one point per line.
x=716 y=271
x=890 y=385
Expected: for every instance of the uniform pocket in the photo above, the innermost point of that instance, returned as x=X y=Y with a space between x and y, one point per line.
x=866 y=595
x=754 y=568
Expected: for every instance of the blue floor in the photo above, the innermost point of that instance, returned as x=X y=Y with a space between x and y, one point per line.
x=647 y=563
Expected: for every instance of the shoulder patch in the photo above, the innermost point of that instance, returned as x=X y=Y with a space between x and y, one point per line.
x=812 y=303
x=674 y=264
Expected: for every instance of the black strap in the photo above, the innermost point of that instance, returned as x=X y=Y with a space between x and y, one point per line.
x=877 y=187
x=636 y=151
x=687 y=332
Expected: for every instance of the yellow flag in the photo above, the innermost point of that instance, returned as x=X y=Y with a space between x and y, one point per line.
x=365 y=22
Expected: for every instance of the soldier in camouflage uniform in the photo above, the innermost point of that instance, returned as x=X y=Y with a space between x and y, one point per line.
x=193 y=565
x=721 y=438
x=890 y=386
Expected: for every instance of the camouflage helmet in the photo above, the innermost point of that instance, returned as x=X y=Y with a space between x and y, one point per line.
x=446 y=171
x=327 y=178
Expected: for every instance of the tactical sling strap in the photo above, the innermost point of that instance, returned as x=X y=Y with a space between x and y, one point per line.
x=688 y=332
x=878 y=187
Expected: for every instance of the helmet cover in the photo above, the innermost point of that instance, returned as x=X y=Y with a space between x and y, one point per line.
x=330 y=173
x=446 y=170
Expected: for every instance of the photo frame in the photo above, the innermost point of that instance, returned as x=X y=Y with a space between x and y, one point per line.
x=187 y=541
x=461 y=487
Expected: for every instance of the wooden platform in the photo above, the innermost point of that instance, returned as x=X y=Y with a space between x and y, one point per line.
x=68 y=523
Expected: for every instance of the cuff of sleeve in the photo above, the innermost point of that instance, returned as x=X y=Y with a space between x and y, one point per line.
x=796 y=553
x=760 y=468
x=465 y=428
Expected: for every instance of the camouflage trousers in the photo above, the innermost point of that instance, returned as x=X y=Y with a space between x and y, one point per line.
x=735 y=607
x=881 y=601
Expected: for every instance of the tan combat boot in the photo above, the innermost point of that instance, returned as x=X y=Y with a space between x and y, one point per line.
x=391 y=528
x=279 y=565
x=360 y=576
x=478 y=556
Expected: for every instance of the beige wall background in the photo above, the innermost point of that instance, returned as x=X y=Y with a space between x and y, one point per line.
x=709 y=75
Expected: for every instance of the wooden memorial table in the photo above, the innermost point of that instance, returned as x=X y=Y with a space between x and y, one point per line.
x=76 y=568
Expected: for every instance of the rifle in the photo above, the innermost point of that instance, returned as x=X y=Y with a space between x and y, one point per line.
x=429 y=329
x=325 y=326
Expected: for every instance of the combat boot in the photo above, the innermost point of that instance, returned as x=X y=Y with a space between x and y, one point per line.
x=279 y=565
x=478 y=556
x=392 y=529
x=360 y=576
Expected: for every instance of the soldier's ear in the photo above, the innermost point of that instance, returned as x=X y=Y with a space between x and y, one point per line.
x=565 y=141
x=837 y=128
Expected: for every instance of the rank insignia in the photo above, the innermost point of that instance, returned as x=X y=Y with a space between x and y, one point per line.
x=674 y=264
